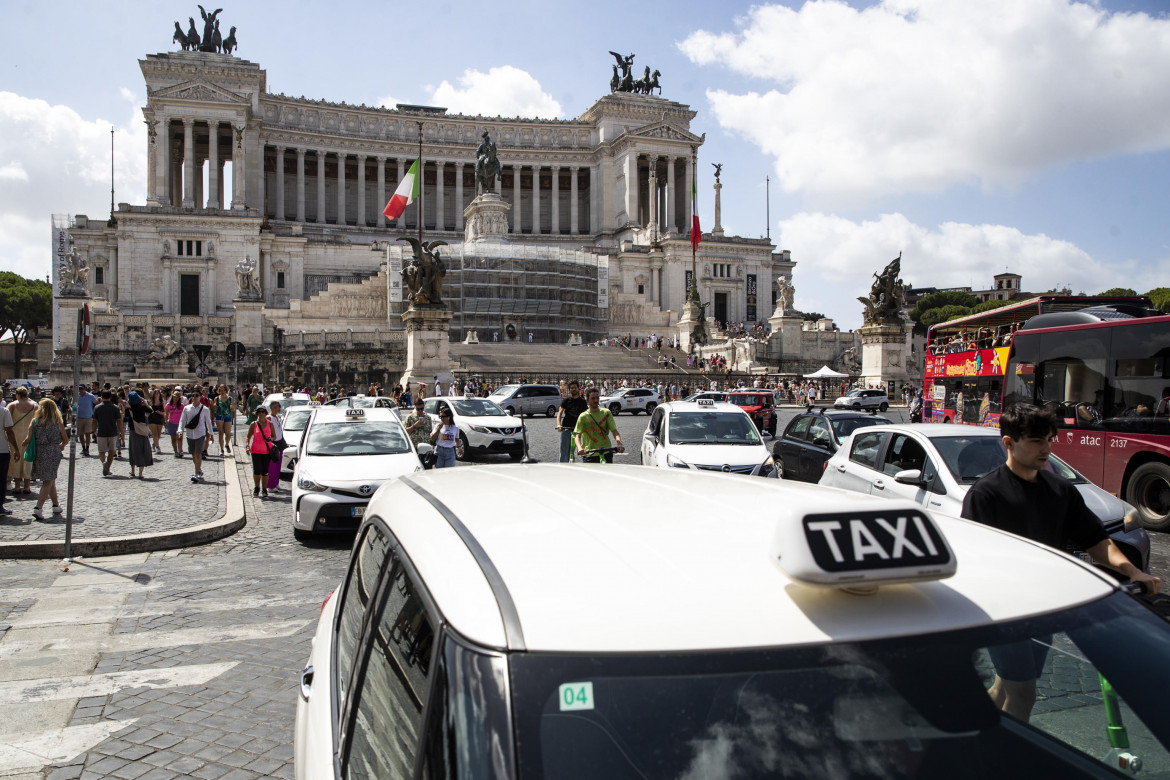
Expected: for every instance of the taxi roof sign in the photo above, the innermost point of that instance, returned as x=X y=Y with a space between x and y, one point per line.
x=867 y=548
x=355 y=412
x=705 y=401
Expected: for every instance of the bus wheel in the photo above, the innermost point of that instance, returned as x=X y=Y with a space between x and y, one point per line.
x=1149 y=491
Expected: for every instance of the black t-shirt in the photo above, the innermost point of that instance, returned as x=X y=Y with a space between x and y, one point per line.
x=573 y=408
x=1050 y=510
x=106 y=417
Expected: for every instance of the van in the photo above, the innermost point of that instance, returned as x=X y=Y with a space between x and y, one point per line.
x=528 y=399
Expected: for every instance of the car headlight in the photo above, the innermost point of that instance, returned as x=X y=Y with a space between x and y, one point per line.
x=1133 y=520
x=305 y=482
x=480 y=429
x=769 y=468
x=676 y=463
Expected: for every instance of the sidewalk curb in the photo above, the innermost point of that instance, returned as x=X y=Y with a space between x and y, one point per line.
x=233 y=520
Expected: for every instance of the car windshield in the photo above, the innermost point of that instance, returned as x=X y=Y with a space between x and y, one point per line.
x=297 y=419
x=752 y=399
x=364 y=402
x=846 y=426
x=907 y=707
x=288 y=403
x=357 y=438
x=711 y=428
x=712 y=396
x=970 y=457
x=477 y=407
x=500 y=392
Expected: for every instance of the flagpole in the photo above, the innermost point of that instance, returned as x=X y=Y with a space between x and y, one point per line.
x=768 y=206
x=422 y=180
x=694 y=291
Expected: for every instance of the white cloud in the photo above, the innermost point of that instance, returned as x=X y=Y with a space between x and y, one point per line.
x=838 y=257
x=59 y=162
x=503 y=91
x=918 y=95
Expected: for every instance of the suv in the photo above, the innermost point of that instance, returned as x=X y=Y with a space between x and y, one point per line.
x=484 y=427
x=528 y=399
x=813 y=436
x=489 y=625
x=760 y=406
x=630 y=399
x=863 y=399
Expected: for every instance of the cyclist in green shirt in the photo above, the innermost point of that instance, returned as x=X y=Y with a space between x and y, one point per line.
x=593 y=429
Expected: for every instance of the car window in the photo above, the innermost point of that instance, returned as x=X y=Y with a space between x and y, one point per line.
x=362 y=438
x=864 y=450
x=431 y=406
x=711 y=428
x=655 y=426
x=296 y=420
x=843 y=427
x=819 y=434
x=523 y=392
x=369 y=555
x=477 y=407
x=903 y=454
x=387 y=719
x=798 y=428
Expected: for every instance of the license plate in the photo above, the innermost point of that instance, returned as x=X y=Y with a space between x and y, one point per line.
x=509 y=441
x=357 y=511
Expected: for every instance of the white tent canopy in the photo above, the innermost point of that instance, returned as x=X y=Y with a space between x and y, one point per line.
x=824 y=372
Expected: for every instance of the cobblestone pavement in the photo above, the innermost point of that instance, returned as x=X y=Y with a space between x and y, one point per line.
x=119 y=505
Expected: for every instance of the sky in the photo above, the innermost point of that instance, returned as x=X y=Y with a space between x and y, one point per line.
x=1030 y=136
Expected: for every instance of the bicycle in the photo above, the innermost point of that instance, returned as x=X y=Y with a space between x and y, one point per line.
x=597 y=455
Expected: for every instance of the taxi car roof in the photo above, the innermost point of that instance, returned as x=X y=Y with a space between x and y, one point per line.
x=334 y=413
x=626 y=559
x=695 y=406
x=939 y=430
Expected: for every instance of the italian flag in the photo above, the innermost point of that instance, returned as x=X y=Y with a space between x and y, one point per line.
x=406 y=193
x=696 y=232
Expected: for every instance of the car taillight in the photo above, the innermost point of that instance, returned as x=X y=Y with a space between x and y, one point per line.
x=326 y=601
x=824 y=468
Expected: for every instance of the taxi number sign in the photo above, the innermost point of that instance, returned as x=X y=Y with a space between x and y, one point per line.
x=841 y=542
x=575 y=696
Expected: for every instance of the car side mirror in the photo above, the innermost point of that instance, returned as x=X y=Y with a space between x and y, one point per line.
x=910 y=477
x=425 y=449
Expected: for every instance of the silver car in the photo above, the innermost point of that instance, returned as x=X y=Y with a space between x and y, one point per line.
x=864 y=399
x=528 y=399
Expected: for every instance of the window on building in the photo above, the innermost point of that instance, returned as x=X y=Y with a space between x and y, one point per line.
x=999 y=285
x=641 y=289
x=280 y=280
x=99 y=275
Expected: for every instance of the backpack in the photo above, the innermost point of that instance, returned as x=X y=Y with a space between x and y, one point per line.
x=193 y=423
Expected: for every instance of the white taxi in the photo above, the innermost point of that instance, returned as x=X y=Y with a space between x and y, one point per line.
x=499 y=622
x=293 y=421
x=705 y=435
x=344 y=456
x=287 y=400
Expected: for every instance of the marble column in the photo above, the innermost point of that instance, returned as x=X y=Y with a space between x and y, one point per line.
x=574 y=196
x=690 y=185
x=401 y=173
x=320 y=187
x=381 y=204
x=188 y=163
x=459 y=204
x=213 y=201
x=162 y=171
x=239 y=169
x=300 y=184
x=535 y=200
x=152 y=166
x=555 y=200
x=341 y=209
x=440 y=216
x=361 y=191
x=517 y=221
x=671 y=195
x=632 y=216
x=652 y=192
x=280 y=212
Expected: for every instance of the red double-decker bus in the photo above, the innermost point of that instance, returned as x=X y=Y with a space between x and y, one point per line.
x=1102 y=364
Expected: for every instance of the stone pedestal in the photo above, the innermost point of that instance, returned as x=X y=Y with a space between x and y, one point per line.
x=486 y=218
x=61 y=367
x=885 y=354
x=786 y=330
x=427 y=348
x=472 y=337
x=249 y=323
x=691 y=313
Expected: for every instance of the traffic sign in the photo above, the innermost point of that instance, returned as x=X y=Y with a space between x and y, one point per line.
x=235 y=351
x=85 y=329
x=202 y=351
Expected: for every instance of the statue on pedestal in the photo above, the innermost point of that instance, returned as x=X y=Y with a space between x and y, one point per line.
x=165 y=348
x=246 y=282
x=73 y=274
x=423 y=275
x=487 y=166
x=886 y=297
x=785 y=294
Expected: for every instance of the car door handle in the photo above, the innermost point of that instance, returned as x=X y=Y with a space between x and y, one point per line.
x=879 y=484
x=306 y=682
x=841 y=469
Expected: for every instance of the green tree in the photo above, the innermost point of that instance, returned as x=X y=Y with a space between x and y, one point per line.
x=1160 y=297
x=944 y=314
x=989 y=305
x=812 y=316
x=25 y=306
x=940 y=299
x=1118 y=292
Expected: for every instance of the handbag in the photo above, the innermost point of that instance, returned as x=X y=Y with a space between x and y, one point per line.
x=30 y=452
x=142 y=429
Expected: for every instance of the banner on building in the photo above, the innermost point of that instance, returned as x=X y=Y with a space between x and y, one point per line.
x=688 y=290
x=61 y=241
x=603 y=282
x=394 y=266
x=751 y=298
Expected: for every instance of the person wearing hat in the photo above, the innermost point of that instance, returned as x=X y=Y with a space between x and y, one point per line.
x=137 y=413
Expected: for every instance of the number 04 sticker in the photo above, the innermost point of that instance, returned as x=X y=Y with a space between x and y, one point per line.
x=576 y=696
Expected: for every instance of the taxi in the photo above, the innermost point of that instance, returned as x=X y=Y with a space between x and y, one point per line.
x=343 y=457
x=499 y=622
x=707 y=436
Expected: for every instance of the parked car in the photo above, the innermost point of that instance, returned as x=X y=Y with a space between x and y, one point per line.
x=864 y=399
x=706 y=436
x=287 y=400
x=503 y=622
x=293 y=421
x=528 y=399
x=712 y=395
x=760 y=406
x=630 y=399
x=813 y=436
x=485 y=428
x=934 y=465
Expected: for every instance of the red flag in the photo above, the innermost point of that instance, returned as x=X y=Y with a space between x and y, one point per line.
x=696 y=232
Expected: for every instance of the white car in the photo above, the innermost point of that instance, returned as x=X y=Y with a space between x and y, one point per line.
x=630 y=399
x=863 y=399
x=294 y=421
x=485 y=428
x=287 y=400
x=705 y=435
x=934 y=465
x=622 y=622
x=344 y=457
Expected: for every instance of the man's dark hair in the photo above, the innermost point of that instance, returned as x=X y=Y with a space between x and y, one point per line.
x=1021 y=421
x=590 y=390
x=107 y=395
x=573 y=382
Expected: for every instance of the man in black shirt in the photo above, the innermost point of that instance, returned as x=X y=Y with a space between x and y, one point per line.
x=107 y=418
x=1024 y=499
x=567 y=415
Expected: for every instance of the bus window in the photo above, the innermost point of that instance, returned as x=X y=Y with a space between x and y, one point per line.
x=1141 y=379
x=1072 y=381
